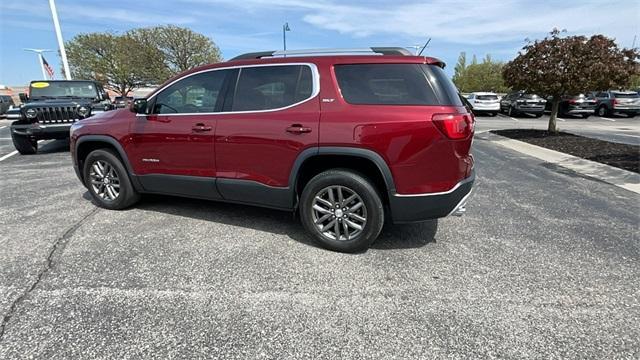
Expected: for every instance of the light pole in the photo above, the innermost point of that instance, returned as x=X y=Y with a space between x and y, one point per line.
x=285 y=28
x=39 y=52
x=63 y=53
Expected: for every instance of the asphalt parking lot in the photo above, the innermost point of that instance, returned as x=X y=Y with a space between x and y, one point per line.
x=543 y=265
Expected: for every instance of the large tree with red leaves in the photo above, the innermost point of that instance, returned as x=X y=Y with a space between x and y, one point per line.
x=569 y=65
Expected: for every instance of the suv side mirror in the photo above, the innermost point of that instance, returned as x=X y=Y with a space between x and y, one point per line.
x=23 y=97
x=138 y=106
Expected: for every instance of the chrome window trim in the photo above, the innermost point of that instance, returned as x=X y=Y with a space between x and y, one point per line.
x=315 y=75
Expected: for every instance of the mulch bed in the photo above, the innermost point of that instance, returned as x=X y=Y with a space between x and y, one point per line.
x=623 y=156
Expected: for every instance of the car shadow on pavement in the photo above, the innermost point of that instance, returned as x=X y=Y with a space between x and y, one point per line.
x=278 y=222
x=55 y=146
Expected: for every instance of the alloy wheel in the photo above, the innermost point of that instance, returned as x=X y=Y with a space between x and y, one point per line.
x=339 y=213
x=104 y=180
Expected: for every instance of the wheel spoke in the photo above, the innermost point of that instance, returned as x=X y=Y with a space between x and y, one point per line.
x=321 y=209
x=348 y=200
x=345 y=227
x=97 y=170
x=357 y=217
x=331 y=198
x=352 y=224
x=340 y=197
x=355 y=207
x=336 y=229
x=329 y=225
x=323 y=201
x=323 y=219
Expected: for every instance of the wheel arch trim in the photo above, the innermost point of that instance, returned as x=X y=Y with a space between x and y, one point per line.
x=115 y=144
x=349 y=151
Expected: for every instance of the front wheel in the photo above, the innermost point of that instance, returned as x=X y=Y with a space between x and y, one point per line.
x=511 y=111
x=538 y=115
x=108 y=181
x=342 y=210
x=24 y=144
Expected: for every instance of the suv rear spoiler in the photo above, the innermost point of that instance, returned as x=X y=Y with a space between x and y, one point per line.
x=326 y=52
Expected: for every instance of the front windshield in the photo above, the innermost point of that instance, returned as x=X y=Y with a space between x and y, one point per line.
x=44 y=89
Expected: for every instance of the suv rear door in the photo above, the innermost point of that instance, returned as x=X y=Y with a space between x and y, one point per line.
x=271 y=117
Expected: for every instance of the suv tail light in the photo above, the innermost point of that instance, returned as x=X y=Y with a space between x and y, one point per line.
x=615 y=102
x=454 y=126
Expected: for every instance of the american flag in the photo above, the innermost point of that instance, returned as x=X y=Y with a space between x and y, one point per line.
x=47 y=68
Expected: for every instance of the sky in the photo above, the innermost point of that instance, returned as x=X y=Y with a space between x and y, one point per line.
x=496 y=27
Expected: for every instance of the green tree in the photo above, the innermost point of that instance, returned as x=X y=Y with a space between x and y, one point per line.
x=120 y=62
x=182 y=49
x=557 y=66
x=484 y=76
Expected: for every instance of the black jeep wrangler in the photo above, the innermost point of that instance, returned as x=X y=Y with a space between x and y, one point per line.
x=51 y=108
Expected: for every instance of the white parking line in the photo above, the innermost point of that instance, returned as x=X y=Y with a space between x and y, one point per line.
x=2 y=127
x=8 y=155
x=14 y=152
x=508 y=117
x=561 y=119
x=604 y=118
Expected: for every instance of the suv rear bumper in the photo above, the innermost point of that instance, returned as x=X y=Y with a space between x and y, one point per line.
x=420 y=207
x=38 y=131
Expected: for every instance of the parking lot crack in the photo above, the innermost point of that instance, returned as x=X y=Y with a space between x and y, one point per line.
x=58 y=246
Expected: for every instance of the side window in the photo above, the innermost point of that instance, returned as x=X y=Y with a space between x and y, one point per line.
x=194 y=94
x=385 y=84
x=272 y=87
x=472 y=96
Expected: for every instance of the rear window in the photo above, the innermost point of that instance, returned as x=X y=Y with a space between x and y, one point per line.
x=625 y=95
x=487 y=97
x=272 y=87
x=529 y=96
x=393 y=84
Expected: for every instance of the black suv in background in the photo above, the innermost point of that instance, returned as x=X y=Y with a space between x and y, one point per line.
x=51 y=108
x=620 y=102
x=519 y=103
x=5 y=103
x=579 y=105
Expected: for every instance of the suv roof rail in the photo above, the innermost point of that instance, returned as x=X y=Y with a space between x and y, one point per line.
x=326 y=52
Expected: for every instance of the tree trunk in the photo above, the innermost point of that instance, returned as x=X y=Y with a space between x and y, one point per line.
x=554 y=113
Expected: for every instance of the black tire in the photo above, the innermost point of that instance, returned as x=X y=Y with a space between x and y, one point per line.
x=603 y=111
x=126 y=196
x=538 y=115
x=367 y=194
x=493 y=114
x=511 y=112
x=631 y=115
x=24 y=144
x=585 y=116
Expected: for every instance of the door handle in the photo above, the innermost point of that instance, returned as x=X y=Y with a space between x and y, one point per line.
x=201 y=128
x=298 y=129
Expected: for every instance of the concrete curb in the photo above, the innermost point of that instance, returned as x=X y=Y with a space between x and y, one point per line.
x=622 y=178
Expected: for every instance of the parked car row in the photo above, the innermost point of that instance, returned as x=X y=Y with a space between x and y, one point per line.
x=604 y=103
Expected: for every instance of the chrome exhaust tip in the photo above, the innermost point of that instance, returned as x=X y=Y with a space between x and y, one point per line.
x=459 y=211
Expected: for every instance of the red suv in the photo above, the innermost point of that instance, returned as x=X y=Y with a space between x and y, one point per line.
x=345 y=139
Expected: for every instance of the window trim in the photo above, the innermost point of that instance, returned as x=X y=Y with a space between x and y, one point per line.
x=315 y=76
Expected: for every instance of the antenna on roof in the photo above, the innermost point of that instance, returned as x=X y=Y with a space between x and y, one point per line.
x=424 y=47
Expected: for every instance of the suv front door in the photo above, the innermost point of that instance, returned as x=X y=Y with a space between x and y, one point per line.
x=271 y=118
x=173 y=146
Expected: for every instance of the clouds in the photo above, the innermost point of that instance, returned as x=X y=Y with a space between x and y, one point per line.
x=458 y=21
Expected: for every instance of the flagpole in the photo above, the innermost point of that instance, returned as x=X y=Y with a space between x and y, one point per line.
x=63 y=53
x=44 y=72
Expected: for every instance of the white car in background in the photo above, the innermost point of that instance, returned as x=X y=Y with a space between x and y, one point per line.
x=484 y=103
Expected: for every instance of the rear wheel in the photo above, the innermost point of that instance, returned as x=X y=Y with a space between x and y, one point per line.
x=108 y=181
x=538 y=115
x=24 y=144
x=342 y=210
x=493 y=114
x=585 y=116
x=602 y=111
x=511 y=111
